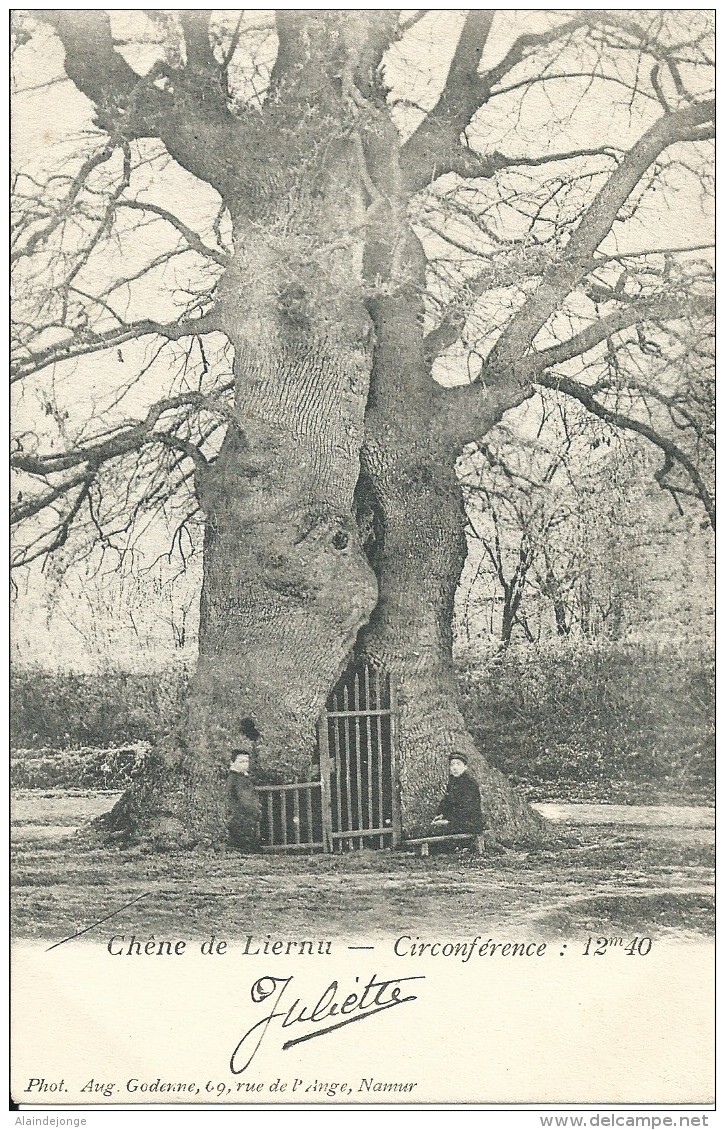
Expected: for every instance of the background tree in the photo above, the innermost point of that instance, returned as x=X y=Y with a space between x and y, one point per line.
x=559 y=522
x=519 y=495
x=307 y=270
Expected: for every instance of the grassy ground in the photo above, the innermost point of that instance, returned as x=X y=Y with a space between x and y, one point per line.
x=610 y=724
x=590 y=880
x=622 y=792
x=564 y=714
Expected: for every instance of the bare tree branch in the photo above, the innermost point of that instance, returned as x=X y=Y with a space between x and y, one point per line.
x=519 y=334
x=466 y=412
x=619 y=419
x=463 y=93
x=631 y=315
x=24 y=508
x=195 y=24
x=528 y=42
x=133 y=106
x=78 y=346
x=49 y=541
x=194 y=241
x=61 y=210
x=435 y=147
x=128 y=438
x=471 y=165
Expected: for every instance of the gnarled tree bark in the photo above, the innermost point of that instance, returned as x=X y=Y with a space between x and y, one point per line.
x=286 y=584
x=411 y=503
x=335 y=415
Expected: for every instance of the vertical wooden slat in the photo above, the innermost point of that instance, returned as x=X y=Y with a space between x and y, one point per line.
x=338 y=774
x=345 y=748
x=397 y=822
x=310 y=825
x=369 y=744
x=283 y=798
x=325 y=798
x=270 y=818
x=358 y=778
x=380 y=751
x=296 y=814
x=334 y=780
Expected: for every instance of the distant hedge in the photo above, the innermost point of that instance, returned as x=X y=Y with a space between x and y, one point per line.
x=622 y=710
x=85 y=768
x=64 y=710
x=561 y=711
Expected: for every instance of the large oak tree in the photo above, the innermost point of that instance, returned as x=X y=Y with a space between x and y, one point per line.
x=312 y=264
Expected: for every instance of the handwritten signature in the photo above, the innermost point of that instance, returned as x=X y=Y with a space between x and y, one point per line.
x=359 y=1004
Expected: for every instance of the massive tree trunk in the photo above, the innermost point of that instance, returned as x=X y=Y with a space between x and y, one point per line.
x=286 y=583
x=322 y=248
x=411 y=503
x=418 y=560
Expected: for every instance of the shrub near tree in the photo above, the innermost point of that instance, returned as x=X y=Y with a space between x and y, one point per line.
x=564 y=711
x=569 y=534
x=294 y=270
x=596 y=712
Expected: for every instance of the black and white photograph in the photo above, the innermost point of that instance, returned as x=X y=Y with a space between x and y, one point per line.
x=362 y=711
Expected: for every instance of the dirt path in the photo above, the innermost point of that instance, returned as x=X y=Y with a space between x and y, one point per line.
x=628 y=876
x=49 y=815
x=648 y=815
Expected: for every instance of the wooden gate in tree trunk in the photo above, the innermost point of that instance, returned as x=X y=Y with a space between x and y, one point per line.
x=357 y=742
x=352 y=802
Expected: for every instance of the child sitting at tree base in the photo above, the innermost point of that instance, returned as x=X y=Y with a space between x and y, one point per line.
x=460 y=809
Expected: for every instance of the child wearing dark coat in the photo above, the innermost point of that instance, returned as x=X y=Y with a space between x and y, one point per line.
x=242 y=804
x=460 y=808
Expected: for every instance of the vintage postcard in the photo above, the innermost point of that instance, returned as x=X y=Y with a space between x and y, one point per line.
x=363 y=565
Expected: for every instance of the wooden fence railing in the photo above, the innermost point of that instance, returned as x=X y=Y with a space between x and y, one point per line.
x=354 y=802
x=291 y=816
x=357 y=744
